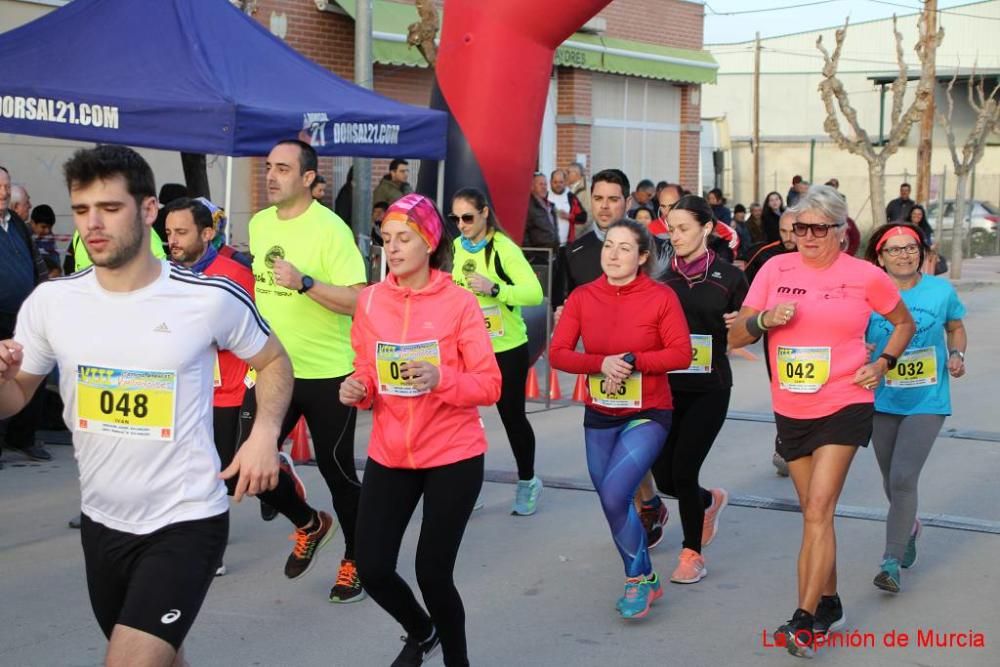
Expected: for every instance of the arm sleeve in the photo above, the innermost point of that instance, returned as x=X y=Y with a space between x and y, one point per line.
x=674 y=336
x=756 y=297
x=362 y=343
x=236 y=324
x=342 y=260
x=39 y=358
x=478 y=380
x=526 y=290
x=881 y=293
x=562 y=349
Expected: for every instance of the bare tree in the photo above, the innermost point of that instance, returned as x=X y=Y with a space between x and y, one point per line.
x=423 y=33
x=835 y=97
x=987 y=111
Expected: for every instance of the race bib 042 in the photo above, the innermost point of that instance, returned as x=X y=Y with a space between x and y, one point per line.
x=126 y=403
x=915 y=368
x=388 y=360
x=701 y=355
x=803 y=370
x=628 y=395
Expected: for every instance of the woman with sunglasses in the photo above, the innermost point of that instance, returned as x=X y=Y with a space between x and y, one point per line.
x=633 y=332
x=711 y=291
x=423 y=365
x=910 y=406
x=490 y=265
x=815 y=305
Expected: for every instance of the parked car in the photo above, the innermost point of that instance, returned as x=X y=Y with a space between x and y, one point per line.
x=981 y=218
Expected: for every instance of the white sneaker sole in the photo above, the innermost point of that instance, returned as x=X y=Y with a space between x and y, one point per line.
x=701 y=575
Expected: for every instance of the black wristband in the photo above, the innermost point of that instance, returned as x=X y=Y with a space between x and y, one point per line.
x=753 y=328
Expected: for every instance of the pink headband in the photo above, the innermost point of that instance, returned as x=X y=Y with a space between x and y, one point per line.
x=419 y=213
x=898 y=230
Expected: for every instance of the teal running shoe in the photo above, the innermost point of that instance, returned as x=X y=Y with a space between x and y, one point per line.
x=888 y=578
x=910 y=555
x=640 y=593
x=526 y=497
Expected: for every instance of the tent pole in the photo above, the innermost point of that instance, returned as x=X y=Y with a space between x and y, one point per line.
x=440 y=185
x=229 y=198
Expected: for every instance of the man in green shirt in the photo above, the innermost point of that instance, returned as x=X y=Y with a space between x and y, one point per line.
x=307 y=274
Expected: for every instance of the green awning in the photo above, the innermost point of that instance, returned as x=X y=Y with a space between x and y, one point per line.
x=390 y=21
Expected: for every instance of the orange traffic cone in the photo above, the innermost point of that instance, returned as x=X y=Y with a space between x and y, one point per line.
x=580 y=390
x=300 y=443
x=555 y=393
x=531 y=386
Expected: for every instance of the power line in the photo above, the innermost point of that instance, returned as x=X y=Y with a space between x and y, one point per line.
x=938 y=11
x=770 y=9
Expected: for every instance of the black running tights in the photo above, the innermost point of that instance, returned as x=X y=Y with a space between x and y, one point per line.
x=514 y=369
x=388 y=499
x=697 y=419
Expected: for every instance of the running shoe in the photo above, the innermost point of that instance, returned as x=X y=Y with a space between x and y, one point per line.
x=654 y=520
x=829 y=614
x=417 y=652
x=347 y=588
x=286 y=465
x=780 y=465
x=796 y=635
x=526 y=497
x=267 y=512
x=307 y=545
x=910 y=555
x=479 y=504
x=640 y=593
x=690 y=568
x=888 y=578
x=221 y=570
x=720 y=498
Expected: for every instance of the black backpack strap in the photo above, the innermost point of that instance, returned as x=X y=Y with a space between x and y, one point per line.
x=497 y=266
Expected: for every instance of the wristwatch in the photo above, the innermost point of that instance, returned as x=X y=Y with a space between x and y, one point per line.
x=961 y=355
x=307 y=284
x=495 y=291
x=629 y=359
x=890 y=360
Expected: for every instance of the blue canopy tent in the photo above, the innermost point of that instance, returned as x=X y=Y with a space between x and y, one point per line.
x=196 y=76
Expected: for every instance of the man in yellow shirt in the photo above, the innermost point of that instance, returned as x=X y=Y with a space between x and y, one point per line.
x=307 y=274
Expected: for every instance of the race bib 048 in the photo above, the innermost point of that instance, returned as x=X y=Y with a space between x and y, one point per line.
x=389 y=357
x=803 y=370
x=915 y=368
x=628 y=395
x=126 y=403
x=701 y=355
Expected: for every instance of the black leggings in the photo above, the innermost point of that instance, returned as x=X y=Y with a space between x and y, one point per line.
x=514 y=369
x=331 y=424
x=388 y=498
x=698 y=418
x=232 y=427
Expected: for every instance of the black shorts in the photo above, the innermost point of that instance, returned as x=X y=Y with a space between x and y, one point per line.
x=851 y=425
x=156 y=582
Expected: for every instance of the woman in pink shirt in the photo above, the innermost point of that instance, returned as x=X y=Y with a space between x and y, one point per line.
x=815 y=306
x=424 y=363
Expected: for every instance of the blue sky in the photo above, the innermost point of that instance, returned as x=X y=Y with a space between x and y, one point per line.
x=788 y=16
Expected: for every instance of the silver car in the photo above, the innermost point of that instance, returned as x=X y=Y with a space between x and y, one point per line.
x=981 y=218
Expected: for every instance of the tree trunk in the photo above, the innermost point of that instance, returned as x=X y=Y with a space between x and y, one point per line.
x=958 y=227
x=196 y=175
x=876 y=183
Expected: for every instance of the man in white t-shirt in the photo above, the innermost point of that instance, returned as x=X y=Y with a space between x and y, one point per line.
x=135 y=341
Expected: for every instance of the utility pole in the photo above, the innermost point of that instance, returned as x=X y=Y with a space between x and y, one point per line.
x=927 y=121
x=755 y=143
x=361 y=204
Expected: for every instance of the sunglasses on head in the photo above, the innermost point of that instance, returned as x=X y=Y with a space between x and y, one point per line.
x=465 y=217
x=818 y=231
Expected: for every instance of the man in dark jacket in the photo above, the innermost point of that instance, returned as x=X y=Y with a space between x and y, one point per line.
x=21 y=269
x=899 y=208
x=541 y=228
x=394 y=184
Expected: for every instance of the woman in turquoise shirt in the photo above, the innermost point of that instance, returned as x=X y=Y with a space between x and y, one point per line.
x=492 y=266
x=914 y=399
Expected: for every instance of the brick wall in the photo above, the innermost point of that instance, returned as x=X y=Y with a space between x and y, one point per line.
x=690 y=141
x=668 y=22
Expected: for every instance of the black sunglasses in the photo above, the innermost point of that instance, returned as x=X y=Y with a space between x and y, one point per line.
x=465 y=217
x=818 y=231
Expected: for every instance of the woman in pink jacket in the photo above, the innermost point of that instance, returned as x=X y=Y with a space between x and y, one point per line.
x=424 y=363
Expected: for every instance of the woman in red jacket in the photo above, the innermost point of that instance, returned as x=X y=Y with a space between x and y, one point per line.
x=628 y=409
x=424 y=362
